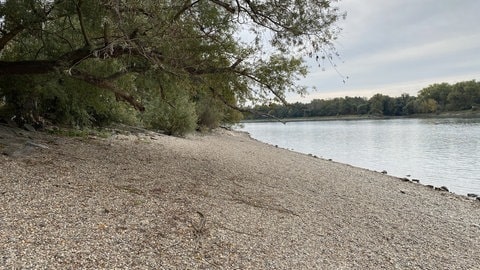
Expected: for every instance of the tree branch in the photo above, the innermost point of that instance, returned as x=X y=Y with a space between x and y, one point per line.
x=66 y=61
x=5 y=38
x=8 y=36
x=226 y=6
x=186 y=6
x=270 y=88
x=82 y=25
x=213 y=70
x=105 y=83
x=27 y=67
x=222 y=98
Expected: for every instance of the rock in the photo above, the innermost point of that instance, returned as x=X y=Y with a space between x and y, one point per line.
x=384 y=172
x=472 y=195
x=405 y=179
x=29 y=127
x=416 y=180
x=444 y=188
x=30 y=143
x=430 y=186
x=52 y=129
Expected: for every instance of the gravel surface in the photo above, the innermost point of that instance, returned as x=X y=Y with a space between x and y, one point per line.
x=219 y=201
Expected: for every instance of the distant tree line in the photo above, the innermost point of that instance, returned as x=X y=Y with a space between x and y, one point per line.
x=435 y=98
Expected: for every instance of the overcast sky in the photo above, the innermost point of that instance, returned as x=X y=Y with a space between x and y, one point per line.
x=400 y=46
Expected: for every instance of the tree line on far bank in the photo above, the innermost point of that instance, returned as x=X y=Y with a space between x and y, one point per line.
x=435 y=98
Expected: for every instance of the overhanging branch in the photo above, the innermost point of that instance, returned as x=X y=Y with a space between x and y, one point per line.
x=67 y=61
x=105 y=83
x=222 y=98
x=27 y=67
x=269 y=87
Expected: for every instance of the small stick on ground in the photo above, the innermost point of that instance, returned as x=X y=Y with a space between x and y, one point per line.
x=198 y=230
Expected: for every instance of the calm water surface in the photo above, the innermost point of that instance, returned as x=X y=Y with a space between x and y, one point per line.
x=439 y=152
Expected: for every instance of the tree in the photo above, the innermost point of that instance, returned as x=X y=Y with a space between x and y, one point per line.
x=381 y=105
x=141 y=51
x=464 y=95
x=404 y=105
x=437 y=92
x=428 y=105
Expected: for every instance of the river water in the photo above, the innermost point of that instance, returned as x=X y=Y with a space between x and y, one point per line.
x=438 y=152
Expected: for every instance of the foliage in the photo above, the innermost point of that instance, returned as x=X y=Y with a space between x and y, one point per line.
x=177 y=61
x=432 y=99
x=60 y=100
x=175 y=117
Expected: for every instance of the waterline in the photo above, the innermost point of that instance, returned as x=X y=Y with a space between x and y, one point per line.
x=439 y=152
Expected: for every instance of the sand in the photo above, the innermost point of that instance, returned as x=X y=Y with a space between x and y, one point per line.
x=218 y=201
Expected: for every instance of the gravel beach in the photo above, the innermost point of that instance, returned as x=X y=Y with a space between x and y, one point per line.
x=218 y=201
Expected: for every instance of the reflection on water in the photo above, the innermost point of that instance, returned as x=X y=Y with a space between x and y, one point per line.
x=439 y=152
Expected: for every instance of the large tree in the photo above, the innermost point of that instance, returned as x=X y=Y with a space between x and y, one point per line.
x=233 y=50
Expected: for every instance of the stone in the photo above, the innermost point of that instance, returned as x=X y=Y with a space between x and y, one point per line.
x=384 y=172
x=472 y=195
x=416 y=180
x=444 y=188
x=29 y=127
x=30 y=143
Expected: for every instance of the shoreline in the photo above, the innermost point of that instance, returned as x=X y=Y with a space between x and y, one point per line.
x=457 y=178
x=456 y=114
x=220 y=201
x=405 y=179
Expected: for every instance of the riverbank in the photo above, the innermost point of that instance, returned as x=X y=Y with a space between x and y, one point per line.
x=453 y=114
x=218 y=201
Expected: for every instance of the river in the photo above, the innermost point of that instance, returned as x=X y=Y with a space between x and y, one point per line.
x=438 y=152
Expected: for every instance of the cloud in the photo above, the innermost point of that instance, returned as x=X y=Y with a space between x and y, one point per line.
x=401 y=44
x=421 y=52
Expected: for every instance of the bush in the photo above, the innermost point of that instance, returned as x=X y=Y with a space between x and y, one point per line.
x=60 y=100
x=209 y=115
x=175 y=116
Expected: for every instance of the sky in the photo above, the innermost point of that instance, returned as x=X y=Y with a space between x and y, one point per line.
x=399 y=46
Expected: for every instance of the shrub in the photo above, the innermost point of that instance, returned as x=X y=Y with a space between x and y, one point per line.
x=175 y=116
